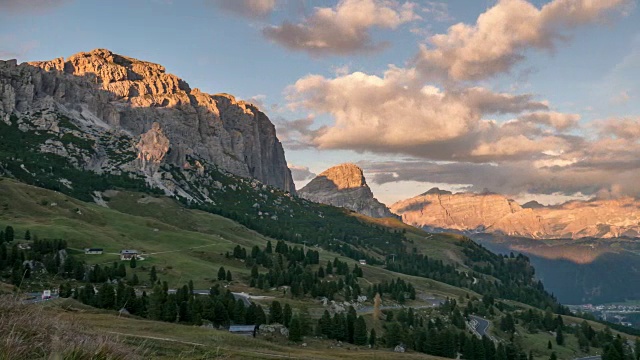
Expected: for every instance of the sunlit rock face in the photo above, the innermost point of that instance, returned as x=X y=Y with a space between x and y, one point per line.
x=111 y=91
x=344 y=185
x=494 y=213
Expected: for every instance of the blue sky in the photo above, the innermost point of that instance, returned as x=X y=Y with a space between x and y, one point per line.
x=582 y=65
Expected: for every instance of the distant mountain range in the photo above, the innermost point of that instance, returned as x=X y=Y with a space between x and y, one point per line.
x=494 y=213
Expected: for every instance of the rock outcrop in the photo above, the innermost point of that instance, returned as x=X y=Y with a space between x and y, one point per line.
x=103 y=90
x=345 y=186
x=493 y=213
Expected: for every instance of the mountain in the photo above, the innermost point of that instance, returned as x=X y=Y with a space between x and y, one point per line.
x=105 y=100
x=344 y=186
x=494 y=213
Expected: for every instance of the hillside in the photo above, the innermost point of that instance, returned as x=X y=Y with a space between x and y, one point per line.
x=186 y=244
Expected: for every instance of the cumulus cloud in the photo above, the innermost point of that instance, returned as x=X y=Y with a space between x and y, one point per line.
x=344 y=29
x=501 y=35
x=395 y=113
x=625 y=128
x=301 y=173
x=296 y=134
x=557 y=120
x=249 y=8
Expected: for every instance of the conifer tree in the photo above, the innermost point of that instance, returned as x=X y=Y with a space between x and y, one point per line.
x=360 y=331
x=222 y=274
x=295 y=330
x=287 y=315
x=559 y=336
x=239 y=312
x=372 y=337
x=275 y=313
x=153 y=276
x=9 y=234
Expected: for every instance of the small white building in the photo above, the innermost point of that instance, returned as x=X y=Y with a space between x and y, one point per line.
x=93 y=251
x=128 y=254
x=363 y=262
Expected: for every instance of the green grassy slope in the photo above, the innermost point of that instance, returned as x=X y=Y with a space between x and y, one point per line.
x=183 y=244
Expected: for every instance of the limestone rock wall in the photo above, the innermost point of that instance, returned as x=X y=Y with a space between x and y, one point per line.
x=495 y=213
x=108 y=90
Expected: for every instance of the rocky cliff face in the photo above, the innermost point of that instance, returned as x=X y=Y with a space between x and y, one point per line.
x=494 y=213
x=102 y=92
x=345 y=186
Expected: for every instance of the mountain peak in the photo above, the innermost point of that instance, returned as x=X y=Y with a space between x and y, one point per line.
x=102 y=91
x=345 y=176
x=344 y=186
x=436 y=191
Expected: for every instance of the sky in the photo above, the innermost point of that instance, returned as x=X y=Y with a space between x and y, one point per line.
x=531 y=99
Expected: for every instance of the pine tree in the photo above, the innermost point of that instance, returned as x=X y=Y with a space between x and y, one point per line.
x=228 y=276
x=221 y=314
x=239 y=312
x=360 y=331
x=275 y=313
x=559 y=336
x=261 y=317
x=553 y=356
x=222 y=273
x=268 y=249
x=27 y=235
x=372 y=337
x=135 y=281
x=549 y=345
x=287 y=315
x=295 y=330
x=106 y=296
x=9 y=234
x=133 y=262
x=122 y=271
x=153 y=277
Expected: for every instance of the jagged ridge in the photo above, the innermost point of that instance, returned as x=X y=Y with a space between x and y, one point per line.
x=107 y=91
x=495 y=213
x=344 y=185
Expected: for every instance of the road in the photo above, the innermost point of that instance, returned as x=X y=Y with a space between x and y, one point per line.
x=480 y=327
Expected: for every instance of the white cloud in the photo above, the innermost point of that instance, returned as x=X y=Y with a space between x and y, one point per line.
x=301 y=173
x=343 y=29
x=500 y=36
